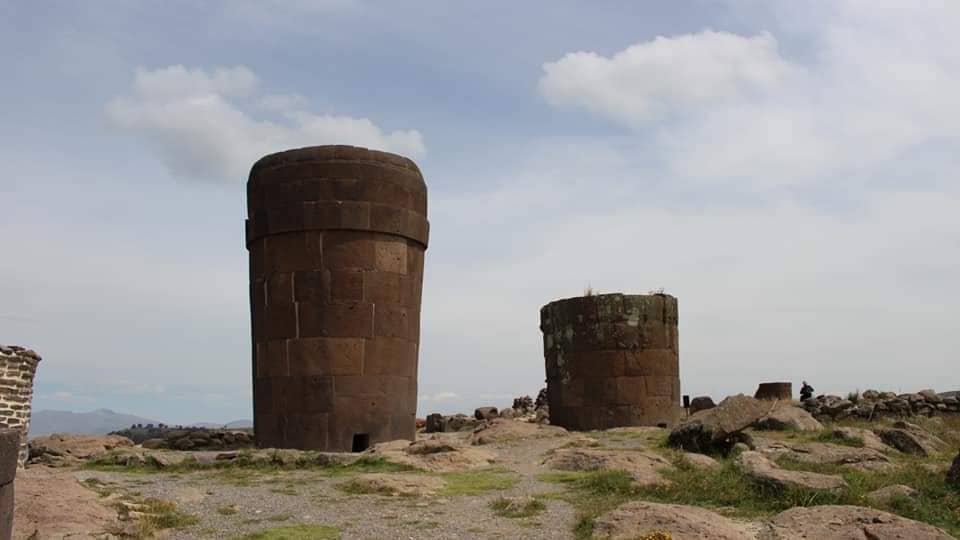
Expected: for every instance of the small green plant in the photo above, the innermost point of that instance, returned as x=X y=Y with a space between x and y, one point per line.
x=477 y=481
x=296 y=532
x=854 y=396
x=517 y=509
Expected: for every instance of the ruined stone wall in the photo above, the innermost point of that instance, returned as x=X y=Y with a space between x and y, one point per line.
x=336 y=236
x=17 y=369
x=612 y=360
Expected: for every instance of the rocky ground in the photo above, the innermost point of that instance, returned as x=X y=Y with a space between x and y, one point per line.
x=797 y=478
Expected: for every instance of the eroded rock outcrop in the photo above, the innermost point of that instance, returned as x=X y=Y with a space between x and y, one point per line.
x=713 y=430
x=644 y=467
x=763 y=469
x=639 y=519
x=849 y=523
x=911 y=439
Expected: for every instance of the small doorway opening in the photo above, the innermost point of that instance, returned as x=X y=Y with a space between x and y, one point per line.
x=361 y=441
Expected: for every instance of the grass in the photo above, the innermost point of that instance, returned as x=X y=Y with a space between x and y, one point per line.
x=296 y=532
x=157 y=515
x=829 y=436
x=478 y=481
x=592 y=494
x=511 y=509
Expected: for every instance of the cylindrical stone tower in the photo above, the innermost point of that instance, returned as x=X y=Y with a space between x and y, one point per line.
x=336 y=236
x=612 y=360
x=17 y=369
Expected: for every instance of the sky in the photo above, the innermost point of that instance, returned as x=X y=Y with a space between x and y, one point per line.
x=787 y=169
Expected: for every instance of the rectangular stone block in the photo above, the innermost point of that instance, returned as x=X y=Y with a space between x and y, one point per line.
x=258 y=293
x=280 y=321
x=630 y=390
x=387 y=218
x=274 y=364
x=326 y=356
x=355 y=215
x=654 y=362
x=285 y=219
x=390 y=356
x=287 y=392
x=655 y=335
x=280 y=288
x=321 y=215
x=413 y=325
x=387 y=193
x=348 y=249
x=313 y=429
x=390 y=321
x=391 y=255
x=292 y=252
x=310 y=286
x=382 y=287
x=346 y=284
x=571 y=393
x=268 y=429
x=256 y=256
x=599 y=391
x=310 y=319
x=359 y=386
x=349 y=319
x=263 y=394
x=317 y=394
x=660 y=386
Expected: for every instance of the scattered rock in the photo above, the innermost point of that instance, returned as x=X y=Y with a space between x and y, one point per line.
x=865 y=436
x=437 y=423
x=711 y=430
x=864 y=459
x=642 y=466
x=886 y=494
x=701 y=461
x=507 y=413
x=872 y=404
x=434 y=455
x=930 y=396
x=788 y=418
x=911 y=439
x=407 y=485
x=154 y=444
x=701 y=403
x=760 y=467
x=849 y=523
x=953 y=475
x=640 y=519
x=485 y=413
x=503 y=430
x=71 y=448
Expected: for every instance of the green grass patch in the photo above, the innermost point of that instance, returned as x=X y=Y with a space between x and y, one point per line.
x=514 y=509
x=829 y=436
x=296 y=532
x=477 y=481
x=592 y=494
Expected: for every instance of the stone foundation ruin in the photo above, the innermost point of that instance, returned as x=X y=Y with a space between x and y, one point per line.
x=336 y=236
x=17 y=369
x=612 y=360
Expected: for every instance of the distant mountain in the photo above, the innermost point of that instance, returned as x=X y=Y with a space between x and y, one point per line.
x=98 y=422
x=239 y=424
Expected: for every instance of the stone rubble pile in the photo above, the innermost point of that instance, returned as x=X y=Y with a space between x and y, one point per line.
x=524 y=408
x=187 y=438
x=871 y=404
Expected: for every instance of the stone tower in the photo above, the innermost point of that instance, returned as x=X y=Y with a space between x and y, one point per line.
x=336 y=237
x=612 y=360
x=18 y=366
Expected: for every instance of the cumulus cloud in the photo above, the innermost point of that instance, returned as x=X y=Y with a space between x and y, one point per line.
x=201 y=123
x=877 y=82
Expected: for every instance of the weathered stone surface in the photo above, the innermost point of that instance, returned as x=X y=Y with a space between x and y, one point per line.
x=849 y=523
x=436 y=455
x=867 y=437
x=500 y=430
x=711 y=430
x=931 y=396
x=407 y=485
x=644 y=467
x=701 y=461
x=911 y=439
x=760 y=467
x=18 y=366
x=612 y=360
x=701 y=403
x=51 y=503
x=865 y=459
x=485 y=413
x=888 y=493
x=336 y=238
x=638 y=519
x=79 y=447
x=788 y=418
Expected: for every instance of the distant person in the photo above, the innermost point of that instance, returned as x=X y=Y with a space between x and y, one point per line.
x=806 y=391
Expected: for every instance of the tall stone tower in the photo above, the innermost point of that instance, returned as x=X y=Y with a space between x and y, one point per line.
x=336 y=236
x=612 y=360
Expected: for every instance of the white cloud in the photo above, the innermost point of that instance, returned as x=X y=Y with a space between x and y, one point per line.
x=200 y=126
x=644 y=82
x=879 y=82
x=439 y=397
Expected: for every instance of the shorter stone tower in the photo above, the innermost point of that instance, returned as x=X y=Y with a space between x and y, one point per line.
x=17 y=368
x=774 y=390
x=612 y=360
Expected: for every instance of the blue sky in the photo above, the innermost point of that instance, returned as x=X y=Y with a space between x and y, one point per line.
x=787 y=170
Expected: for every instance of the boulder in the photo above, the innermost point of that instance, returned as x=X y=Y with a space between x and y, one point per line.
x=701 y=403
x=931 y=396
x=701 y=461
x=870 y=395
x=849 y=523
x=953 y=475
x=435 y=455
x=886 y=494
x=865 y=436
x=507 y=413
x=864 y=459
x=434 y=423
x=911 y=439
x=788 y=418
x=711 y=430
x=501 y=430
x=407 y=485
x=644 y=467
x=485 y=413
x=758 y=466
x=887 y=396
x=641 y=519
x=153 y=444
x=79 y=447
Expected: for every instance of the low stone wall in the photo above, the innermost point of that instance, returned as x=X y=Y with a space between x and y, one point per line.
x=17 y=369
x=187 y=438
x=873 y=404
